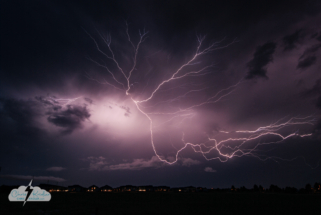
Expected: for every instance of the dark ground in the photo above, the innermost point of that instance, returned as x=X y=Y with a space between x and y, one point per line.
x=167 y=203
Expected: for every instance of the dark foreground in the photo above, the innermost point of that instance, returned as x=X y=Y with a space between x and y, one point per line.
x=167 y=203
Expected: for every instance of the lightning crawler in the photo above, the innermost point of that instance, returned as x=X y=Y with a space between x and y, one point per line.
x=232 y=144
x=29 y=191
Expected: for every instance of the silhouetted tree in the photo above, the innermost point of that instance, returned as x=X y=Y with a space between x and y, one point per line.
x=308 y=188
x=242 y=189
x=274 y=188
x=255 y=188
x=290 y=190
x=233 y=188
x=317 y=187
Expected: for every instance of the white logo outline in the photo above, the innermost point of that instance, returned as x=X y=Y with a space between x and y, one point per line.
x=29 y=194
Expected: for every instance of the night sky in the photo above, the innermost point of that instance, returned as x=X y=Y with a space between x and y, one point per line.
x=218 y=93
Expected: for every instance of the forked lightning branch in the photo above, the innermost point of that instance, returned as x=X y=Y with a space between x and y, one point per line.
x=236 y=144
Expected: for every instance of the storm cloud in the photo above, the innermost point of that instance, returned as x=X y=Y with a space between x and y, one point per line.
x=26 y=114
x=20 y=116
x=21 y=111
x=51 y=110
x=307 y=62
x=261 y=58
x=70 y=118
x=308 y=58
x=290 y=41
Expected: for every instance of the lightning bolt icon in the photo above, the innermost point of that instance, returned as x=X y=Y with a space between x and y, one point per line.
x=28 y=189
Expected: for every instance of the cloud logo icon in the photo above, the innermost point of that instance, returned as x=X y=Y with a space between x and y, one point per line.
x=29 y=193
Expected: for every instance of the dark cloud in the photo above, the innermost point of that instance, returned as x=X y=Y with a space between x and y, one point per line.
x=49 y=102
x=44 y=100
x=311 y=50
x=70 y=118
x=127 y=109
x=314 y=35
x=307 y=62
x=290 y=41
x=20 y=116
x=308 y=58
x=90 y=101
x=19 y=110
x=262 y=56
x=317 y=36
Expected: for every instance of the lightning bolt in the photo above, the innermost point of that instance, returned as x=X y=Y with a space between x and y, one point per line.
x=65 y=101
x=29 y=191
x=225 y=149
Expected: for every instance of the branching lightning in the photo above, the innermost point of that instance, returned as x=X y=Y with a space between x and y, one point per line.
x=226 y=148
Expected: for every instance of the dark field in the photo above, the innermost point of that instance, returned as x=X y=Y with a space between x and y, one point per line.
x=167 y=203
